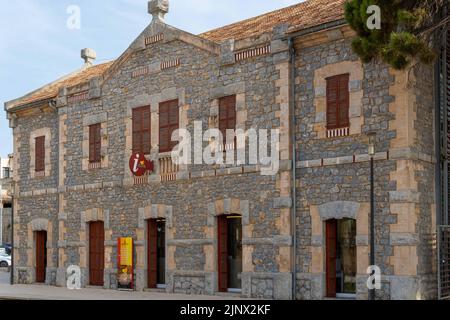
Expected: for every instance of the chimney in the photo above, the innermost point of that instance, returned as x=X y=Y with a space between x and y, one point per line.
x=88 y=55
x=158 y=9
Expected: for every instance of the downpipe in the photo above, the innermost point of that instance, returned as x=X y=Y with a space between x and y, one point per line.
x=294 y=166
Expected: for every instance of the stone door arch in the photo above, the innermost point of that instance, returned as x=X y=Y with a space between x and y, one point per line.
x=337 y=210
x=38 y=225
x=224 y=207
x=153 y=211
x=96 y=215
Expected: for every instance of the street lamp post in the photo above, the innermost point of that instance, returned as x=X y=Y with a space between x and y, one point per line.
x=371 y=152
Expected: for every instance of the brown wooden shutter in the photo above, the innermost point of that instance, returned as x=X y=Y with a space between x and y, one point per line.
x=227 y=116
x=331 y=248
x=168 y=123
x=142 y=130
x=40 y=154
x=146 y=130
x=222 y=252
x=338 y=101
x=152 y=254
x=95 y=143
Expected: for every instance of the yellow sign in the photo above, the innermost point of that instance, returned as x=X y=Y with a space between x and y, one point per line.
x=126 y=251
x=125 y=263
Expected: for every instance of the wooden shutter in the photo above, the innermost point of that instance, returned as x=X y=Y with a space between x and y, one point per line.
x=227 y=115
x=41 y=256
x=338 y=101
x=222 y=253
x=95 y=143
x=168 y=123
x=39 y=154
x=152 y=253
x=142 y=130
x=331 y=252
x=96 y=253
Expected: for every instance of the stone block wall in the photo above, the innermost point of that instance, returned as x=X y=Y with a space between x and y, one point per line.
x=75 y=194
x=6 y=225
x=332 y=178
x=332 y=171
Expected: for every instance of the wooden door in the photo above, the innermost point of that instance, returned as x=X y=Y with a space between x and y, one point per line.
x=331 y=251
x=222 y=253
x=152 y=253
x=96 y=253
x=41 y=255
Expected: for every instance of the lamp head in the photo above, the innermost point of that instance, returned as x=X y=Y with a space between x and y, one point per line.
x=371 y=145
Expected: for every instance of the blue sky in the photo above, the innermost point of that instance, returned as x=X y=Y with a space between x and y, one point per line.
x=36 y=47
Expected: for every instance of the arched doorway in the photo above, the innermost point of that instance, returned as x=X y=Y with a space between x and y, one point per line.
x=229 y=252
x=341 y=264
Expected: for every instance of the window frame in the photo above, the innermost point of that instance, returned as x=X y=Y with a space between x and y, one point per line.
x=230 y=117
x=39 y=154
x=340 y=102
x=140 y=112
x=6 y=171
x=95 y=142
x=173 y=110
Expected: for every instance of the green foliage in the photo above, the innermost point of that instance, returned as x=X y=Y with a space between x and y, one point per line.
x=396 y=42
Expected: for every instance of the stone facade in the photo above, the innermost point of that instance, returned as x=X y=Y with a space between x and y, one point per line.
x=6 y=173
x=332 y=182
x=333 y=175
x=6 y=225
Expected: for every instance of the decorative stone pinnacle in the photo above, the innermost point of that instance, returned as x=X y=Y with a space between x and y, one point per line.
x=88 y=55
x=158 y=9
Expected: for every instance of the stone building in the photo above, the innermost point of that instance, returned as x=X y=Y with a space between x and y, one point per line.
x=206 y=229
x=5 y=199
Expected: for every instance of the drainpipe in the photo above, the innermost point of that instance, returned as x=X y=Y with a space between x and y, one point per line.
x=438 y=143
x=441 y=143
x=439 y=183
x=294 y=166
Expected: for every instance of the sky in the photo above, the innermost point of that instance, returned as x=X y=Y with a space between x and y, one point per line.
x=37 y=46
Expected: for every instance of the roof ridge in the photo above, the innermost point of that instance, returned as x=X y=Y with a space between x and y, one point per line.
x=45 y=86
x=12 y=103
x=307 y=14
x=302 y=15
x=255 y=17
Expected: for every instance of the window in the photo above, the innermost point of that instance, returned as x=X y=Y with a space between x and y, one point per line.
x=39 y=159
x=95 y=143
x=227 y=117
x=338 y=101
x=142 y=130
x=168 y=123
x=6 y=173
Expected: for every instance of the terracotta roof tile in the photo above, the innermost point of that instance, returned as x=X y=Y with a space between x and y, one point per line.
x=50 y=91
x=299 y=16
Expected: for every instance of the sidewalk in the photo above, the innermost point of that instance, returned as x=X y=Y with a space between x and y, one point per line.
x=42 y=292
